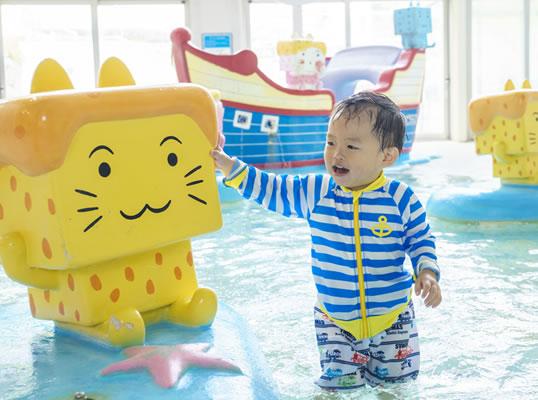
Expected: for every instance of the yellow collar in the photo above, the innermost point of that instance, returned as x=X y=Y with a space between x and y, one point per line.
x=380 y=181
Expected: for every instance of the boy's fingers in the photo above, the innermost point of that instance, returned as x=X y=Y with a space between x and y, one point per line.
x=433 y=300
x=418 y=287
x=426 y=289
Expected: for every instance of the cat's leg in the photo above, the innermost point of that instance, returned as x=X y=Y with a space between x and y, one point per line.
x=122 y=329
x=13 y=258
x=199 y=310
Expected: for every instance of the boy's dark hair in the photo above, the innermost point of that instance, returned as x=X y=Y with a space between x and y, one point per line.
x=389 y=126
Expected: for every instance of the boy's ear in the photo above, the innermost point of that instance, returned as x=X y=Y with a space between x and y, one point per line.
x=391 y=154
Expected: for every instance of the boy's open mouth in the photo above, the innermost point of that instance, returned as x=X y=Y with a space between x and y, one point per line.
x=340 y=171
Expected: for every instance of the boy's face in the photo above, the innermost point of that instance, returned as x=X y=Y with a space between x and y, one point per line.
x=353 y=155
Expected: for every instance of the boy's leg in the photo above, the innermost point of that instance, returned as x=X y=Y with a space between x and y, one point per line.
x=342 y=365
x=394 y=353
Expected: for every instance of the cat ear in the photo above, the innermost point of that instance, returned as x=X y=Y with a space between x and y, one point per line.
x=49 y=76
x=526 y=84
x=509 y=85
x=113 y=73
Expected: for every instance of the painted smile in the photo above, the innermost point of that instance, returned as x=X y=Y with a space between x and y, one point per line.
x=146 y=207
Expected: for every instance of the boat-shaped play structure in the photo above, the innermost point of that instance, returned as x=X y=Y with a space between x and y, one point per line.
x=265 y=124
x=396 y=72
x=271 y=126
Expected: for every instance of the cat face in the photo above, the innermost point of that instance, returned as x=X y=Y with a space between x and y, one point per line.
x=133 y=185
x=531 y=127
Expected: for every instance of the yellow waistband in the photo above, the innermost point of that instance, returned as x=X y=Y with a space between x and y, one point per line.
x=375 y=324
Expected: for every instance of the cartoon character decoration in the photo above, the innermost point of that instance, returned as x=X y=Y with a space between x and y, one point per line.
x=413 y=23
x=100 y=191
x=506 y=126
x=304 y=62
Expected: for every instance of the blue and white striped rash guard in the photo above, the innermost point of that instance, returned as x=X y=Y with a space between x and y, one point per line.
x=360 y=277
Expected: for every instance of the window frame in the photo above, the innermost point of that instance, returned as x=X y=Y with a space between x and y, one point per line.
x=94 y=25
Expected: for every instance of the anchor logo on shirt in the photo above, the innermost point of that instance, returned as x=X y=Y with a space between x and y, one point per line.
x=382 y=229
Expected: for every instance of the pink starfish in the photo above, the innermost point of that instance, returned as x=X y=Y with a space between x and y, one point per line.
x=167 y=363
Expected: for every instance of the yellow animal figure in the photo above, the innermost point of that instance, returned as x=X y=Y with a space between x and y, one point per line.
x=100 y=191
x=506 y=126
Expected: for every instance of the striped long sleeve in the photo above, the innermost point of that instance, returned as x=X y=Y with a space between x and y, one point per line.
x=360 y=240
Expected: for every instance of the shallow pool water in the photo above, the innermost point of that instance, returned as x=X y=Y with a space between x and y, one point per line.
x=481 y=343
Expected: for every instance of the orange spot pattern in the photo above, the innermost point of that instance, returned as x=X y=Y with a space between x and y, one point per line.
x=46 y=248
x=129 y=274
x=32 y=305
x=13 y=183
x=27 y=201
x=149 y=287
x=1 y=212
x=115 y=295
x=52 y=207
x=96 y=282
x=19 y=131
x=189 y=258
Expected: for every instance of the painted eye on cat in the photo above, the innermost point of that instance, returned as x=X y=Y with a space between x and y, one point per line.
x=104 y=169
x=172 y=159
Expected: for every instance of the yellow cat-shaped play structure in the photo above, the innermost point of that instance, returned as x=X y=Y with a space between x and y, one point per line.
x=100 y=191
x=506 y=126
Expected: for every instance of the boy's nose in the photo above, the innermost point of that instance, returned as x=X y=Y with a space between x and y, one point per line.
x=338 y=155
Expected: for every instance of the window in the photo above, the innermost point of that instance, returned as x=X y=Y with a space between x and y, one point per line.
x=139 y=35
x=372 y=23
x=32 y=33
x=269 y=24
x=533 y=45
x=326 y=22
x=497 y=45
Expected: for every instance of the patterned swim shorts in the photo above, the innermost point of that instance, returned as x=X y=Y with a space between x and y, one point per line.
x=391 y=356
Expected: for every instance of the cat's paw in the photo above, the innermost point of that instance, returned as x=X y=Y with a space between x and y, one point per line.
x=126 y=328
x=199 y=311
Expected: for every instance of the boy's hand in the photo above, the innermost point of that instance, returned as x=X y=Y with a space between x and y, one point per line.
x=223 y=162
x=430 y=289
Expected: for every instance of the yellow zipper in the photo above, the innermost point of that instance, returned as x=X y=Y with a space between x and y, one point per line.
x=359 y=267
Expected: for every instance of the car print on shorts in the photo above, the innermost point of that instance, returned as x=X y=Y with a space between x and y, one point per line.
x=333 y=373
x=402 y=353
x=333 y=355
x=322 y=338
x=381 y=372
x=380 y=355
x=359 y=358
x=404 y=317
x=405 y=364
x=348 y=380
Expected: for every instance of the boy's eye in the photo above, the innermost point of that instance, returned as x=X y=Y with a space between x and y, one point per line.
x=104 y=169
x=329 y=143
x=352 y=147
